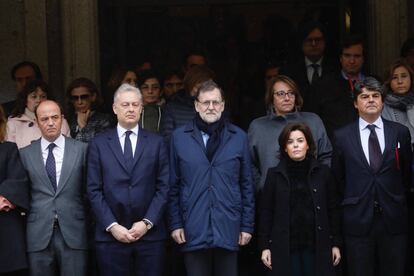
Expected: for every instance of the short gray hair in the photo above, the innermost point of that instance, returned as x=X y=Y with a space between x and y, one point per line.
x=127 y=88
x=370 y=83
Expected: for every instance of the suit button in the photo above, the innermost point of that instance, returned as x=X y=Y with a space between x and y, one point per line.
x=314 y=190
x=319 y=228
x=318 y=208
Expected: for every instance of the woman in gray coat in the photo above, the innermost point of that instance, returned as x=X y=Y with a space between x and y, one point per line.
x=399 y=102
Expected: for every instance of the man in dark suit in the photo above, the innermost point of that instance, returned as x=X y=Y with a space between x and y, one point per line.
x=128 y=187
x=56 y=230
x=372 y=163
x=314 y=65
x=332 y=96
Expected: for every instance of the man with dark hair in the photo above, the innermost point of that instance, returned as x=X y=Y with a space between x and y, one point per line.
x=314 y=64
x=194 y=58
x=332 y=97
x=21 y=73
x=211 y=201
x=372 y=166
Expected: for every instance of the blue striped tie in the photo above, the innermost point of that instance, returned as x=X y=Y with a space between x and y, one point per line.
x=51 y=166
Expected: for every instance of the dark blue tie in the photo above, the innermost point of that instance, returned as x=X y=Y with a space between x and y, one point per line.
x=374 y=149
x=51 y=166
x=129 y=158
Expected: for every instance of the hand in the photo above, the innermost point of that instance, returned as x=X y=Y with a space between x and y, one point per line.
x=6 y=205
x=121 y=234
x=178 y=235
x=267 y=258
x=336 y=255
x=138 y=230
x=244 y=238
x=82 y=118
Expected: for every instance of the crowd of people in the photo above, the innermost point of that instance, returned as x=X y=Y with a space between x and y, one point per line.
x=157 y=176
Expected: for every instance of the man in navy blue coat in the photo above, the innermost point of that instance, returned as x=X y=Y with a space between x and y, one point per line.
x=128 y=189
x=211 y=206
x=372 y=163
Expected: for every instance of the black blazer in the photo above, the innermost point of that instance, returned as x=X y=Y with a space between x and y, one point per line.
x=359 y=183
x=274 y=217
x=13 y=186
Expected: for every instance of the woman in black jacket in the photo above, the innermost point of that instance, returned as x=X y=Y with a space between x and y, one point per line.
x=299 y=216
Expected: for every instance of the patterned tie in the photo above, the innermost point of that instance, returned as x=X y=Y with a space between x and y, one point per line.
x=374 y=149
x=315 y=74
x=51 y=166
x=129 y=158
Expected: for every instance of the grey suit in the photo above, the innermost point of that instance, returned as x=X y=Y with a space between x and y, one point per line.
x=66 y=204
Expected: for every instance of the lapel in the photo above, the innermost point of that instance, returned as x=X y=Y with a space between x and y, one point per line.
x=141 y=144
x=389 y=137
x=196 y=135
x=69 y=159
x=356 y=143
x=36 y=159
x=228 y=130
x=115 y=146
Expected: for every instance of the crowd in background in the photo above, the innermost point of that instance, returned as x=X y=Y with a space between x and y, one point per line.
x=314 y=97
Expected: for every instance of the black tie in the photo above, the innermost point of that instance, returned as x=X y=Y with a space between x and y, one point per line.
x=128 y=149
x=374 y=149
x=315 y=74
x=51 y=166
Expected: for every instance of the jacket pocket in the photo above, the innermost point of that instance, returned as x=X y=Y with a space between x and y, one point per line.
x=350 y=201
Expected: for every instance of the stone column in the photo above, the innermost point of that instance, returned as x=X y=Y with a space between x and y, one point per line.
x=387 y=30
x=80 y=39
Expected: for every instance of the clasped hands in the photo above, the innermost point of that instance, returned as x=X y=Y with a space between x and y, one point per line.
x=6 y=205
x=124 y=235
x=179 y=237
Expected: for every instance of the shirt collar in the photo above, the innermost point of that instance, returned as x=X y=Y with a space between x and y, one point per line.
x=308 y=62
x=363 y=124
x=360 y=75
x=59 y=142
x=121 y=130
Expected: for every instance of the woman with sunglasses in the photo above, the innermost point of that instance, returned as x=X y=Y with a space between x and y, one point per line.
x=22 y=127
x=83 y=99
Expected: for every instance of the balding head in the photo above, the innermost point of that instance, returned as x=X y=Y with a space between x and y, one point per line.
x=49 y=118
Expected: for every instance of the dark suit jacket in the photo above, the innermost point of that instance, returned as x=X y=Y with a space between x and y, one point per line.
x=358 y=183
x=13 y=186
x=333 y=101
x=120 y=195
x=298 y=72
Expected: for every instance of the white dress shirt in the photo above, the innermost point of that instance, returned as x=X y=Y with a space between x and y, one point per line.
x=57 y=151
x=133 y=137
x=365 y=132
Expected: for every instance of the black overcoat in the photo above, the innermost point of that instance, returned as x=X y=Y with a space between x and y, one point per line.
x=274 y=221
x=14 y=187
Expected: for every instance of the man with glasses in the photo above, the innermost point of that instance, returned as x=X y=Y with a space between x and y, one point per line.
x=211 y=201
x=314 y=64
x=332 y=97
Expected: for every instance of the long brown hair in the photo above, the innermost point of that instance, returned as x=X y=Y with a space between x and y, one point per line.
x=395 y=65
x=288 y=81
x=3 y=125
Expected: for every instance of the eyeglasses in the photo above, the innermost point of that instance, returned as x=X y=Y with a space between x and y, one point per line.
x=206 y=104
x=83 y=97
x=314 y=40
x=283 y=94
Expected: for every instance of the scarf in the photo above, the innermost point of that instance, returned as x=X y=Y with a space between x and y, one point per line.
x=214 y=131
x=400 y=102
